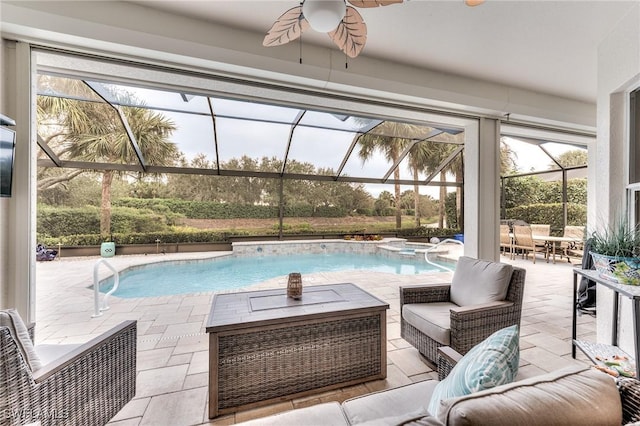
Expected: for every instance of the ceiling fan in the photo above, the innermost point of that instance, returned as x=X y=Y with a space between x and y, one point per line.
x=343 y=23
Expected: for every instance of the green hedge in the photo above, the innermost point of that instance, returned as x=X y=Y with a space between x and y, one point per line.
x=451 y=209
x=215 y=210
x=137 y=238
x=527 y=190
x=59 y=221
x=216 y=236
x=551 y=214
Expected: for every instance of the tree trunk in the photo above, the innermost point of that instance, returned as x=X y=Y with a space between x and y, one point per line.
x=396 y=176
x=416 y=198
x=105 y=207
x=443 y=198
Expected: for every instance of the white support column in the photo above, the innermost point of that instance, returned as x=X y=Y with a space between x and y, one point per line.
x=618 y=76
x=482 y=192
x=20 y=276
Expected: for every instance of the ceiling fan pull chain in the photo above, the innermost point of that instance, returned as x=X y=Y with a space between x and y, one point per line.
x=346 y=61
x=300 y=18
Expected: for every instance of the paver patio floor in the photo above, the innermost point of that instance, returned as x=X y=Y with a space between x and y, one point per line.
x=172 y=381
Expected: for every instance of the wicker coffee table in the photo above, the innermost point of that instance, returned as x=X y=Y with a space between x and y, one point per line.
x=265 y=347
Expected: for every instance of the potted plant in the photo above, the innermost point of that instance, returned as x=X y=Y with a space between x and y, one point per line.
x=615 y=251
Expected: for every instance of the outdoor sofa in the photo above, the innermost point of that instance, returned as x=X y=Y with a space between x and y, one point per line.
x=575 y=395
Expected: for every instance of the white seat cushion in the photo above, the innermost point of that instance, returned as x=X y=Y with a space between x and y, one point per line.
x=396 y=405
x=478 y=281
x=329 y=413
x=48 y=353
x=432 y=319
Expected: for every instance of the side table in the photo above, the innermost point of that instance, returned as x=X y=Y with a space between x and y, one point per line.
x=590 y=349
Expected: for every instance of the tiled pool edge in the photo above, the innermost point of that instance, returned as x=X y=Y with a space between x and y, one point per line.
x=283 y=248
x=392 y=248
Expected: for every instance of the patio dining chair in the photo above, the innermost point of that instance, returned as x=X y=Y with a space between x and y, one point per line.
x=483 y=297
x=523 y=242
x=506 y=240
x=542 y=230
x=83 y=384
x=574 y=248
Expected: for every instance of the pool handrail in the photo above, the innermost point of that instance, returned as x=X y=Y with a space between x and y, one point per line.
x=96 y=288
x=426 y=253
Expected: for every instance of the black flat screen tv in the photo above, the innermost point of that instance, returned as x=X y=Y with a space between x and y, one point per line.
x=7 y=150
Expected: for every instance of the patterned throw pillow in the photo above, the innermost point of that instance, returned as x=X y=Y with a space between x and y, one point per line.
x=492 y=362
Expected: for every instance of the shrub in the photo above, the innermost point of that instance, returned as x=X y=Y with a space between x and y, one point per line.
x=450 y=208
x=138 y=238
x=59 y=221
x=551 y=214
x=127 y=220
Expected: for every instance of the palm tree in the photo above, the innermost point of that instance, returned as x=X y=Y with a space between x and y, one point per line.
x=92 y=131
x=420 y=158
x=391 y=147
x=457 y=168
x=390 y=138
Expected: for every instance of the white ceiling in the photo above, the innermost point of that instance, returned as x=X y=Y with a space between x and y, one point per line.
x=545 y=46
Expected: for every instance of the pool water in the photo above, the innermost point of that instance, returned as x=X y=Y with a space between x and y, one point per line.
x=225 y=273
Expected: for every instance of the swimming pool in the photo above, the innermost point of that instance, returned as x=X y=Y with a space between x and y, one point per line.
x=230 y=272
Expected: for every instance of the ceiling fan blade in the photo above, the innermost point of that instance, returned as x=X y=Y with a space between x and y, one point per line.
x=473 y=3
x=351 y=34
x=373 y=3
x=289 y=26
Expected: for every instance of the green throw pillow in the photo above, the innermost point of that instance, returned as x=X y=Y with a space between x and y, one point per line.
x=492 y=362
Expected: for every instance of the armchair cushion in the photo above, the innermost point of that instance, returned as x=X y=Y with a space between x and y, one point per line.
x=432 y=319
x=478 y=281
x=328 y=413
x=493 y=362
x=11 y=319
x=391 y=406
x=48 y=353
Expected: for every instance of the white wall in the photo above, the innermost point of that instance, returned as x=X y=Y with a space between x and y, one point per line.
x=618 y=74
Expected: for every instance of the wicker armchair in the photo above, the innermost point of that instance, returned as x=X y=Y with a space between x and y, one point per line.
x=86 y=386
x=467 y=325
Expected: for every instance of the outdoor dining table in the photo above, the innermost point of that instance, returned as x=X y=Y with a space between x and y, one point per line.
x=550 y=243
